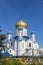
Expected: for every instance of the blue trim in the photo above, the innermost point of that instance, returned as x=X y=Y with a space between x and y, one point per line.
x=26 y=37
x=20 y=28
x=5 y=54
x=32 y=32
x=20 y=39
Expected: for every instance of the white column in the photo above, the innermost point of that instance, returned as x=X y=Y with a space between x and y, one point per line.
x=24 y=32
x=19 y=32
x=33 y=36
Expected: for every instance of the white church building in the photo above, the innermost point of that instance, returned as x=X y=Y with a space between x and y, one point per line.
x=22 y=45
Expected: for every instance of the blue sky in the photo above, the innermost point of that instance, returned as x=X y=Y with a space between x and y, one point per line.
x=30 y=10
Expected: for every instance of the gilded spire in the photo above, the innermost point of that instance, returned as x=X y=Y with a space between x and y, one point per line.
x=21 y=18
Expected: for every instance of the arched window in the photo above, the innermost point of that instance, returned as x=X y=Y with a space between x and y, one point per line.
x=29 y=44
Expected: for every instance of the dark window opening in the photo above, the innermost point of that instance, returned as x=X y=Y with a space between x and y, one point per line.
x=11 y=43
x=10 y=50
x=29 y=44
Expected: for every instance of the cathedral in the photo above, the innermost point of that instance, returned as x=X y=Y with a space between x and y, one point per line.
x=21 y=45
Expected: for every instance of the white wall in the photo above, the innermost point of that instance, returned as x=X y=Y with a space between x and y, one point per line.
x=21 y=32
x=24 y=32
x=21 y=47
x=10 y=51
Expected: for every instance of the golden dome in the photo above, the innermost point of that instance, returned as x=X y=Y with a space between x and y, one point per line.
x=21 y=23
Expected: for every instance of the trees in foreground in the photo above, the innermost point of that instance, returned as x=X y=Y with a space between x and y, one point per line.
x=2 y=38
x=17 y=61
x=10 y=61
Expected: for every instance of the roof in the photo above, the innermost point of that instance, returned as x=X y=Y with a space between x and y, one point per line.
x=9 y=32
x=21 y=23
x=23 y=37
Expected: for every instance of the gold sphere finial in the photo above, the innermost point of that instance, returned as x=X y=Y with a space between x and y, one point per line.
x=21 y=23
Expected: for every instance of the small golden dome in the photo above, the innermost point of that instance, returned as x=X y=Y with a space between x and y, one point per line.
x=21 y=23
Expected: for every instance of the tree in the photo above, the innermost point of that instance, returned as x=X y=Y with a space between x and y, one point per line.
x=10 y=61
x=2 y=38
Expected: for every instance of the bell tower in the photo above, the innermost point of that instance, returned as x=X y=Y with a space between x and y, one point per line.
x=21 y=28
x=21 y=35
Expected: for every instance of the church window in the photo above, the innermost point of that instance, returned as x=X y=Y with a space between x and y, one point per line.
x=29 y=44
x=11 y=43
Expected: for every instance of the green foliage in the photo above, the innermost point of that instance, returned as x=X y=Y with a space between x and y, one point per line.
x=41 y=58
x=9 y=61
x=2 y=37
x=17 y=61
x=33 y=64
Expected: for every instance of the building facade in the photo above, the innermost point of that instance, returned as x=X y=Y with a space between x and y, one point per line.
x=21 y=45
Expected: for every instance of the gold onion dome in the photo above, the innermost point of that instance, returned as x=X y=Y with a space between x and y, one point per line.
x=21 y=23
